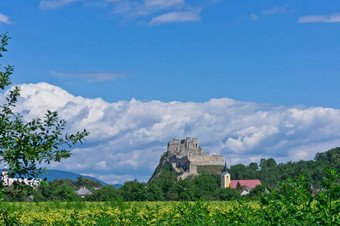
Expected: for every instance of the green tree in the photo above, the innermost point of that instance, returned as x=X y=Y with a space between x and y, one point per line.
x=134 y=191
x=269 y=163
x=253 y=166
x=205 y=186
x=228 y=194
x=257 y=192
x=64 y=193
x=238 y=172
x=81 y=182
x=186 y=190
x=166 y=182
x=105 y=193
x=154 y=192
x=55 y=190
x=24 y=145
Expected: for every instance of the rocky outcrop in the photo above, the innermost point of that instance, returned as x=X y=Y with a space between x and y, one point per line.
x=184 y=156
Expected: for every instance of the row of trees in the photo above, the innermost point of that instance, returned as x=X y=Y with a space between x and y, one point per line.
x=163 y=188
x=167 y=187
x=270 y=173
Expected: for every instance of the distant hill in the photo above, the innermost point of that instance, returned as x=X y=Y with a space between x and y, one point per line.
x=59 y=174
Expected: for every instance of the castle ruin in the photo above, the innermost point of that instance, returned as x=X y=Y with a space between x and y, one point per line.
x=185 y=155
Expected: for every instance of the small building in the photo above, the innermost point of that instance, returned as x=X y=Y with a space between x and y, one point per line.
x=247 y=185
x=10 y=181
x=83 y=191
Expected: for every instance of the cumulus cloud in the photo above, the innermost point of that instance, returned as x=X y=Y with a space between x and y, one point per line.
x=159 y=11
x=189 y=16
x=91 y=77
x=334 y=18
x=275 y=11
x=128 y=137
x=4 y=19
x=55 y=4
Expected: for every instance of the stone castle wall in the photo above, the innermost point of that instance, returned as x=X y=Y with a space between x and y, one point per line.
x=207 y=160
x=185 y=155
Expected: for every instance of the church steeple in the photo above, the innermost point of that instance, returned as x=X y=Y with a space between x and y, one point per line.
x=225 y=167
x=225 y=177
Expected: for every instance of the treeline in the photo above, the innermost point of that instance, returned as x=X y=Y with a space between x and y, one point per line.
x=166 y=187
x=270 y=173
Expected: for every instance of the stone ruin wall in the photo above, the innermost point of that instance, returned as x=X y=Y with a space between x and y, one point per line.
x=207 y=160
x=184 y=147
x=185 y=155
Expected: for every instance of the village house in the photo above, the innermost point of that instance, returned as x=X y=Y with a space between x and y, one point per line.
x=247 y=185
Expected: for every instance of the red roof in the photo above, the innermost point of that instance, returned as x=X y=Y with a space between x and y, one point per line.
x=249 y=183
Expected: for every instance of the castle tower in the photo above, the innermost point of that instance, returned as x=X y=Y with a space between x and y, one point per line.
x=225 y=177
x=4 y=175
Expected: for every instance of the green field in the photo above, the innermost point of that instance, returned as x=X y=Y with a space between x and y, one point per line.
x=163 y=213
x=121 y=213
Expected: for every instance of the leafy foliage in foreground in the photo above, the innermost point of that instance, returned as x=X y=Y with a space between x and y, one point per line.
x=293 y=204
x=24 y=145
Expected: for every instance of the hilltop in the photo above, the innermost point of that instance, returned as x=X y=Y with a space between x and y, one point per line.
x=178 y=160
x=187 y=159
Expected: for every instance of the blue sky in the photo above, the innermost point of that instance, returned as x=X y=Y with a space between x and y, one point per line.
x=224 y=53
x=270 y=56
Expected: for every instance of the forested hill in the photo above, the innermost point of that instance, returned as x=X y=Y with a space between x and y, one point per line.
x=270 y=173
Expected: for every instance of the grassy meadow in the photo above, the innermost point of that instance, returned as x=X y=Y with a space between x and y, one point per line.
x=122 y=213
x=166 y=213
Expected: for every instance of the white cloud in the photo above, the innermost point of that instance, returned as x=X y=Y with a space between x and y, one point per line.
x=270 y=12
x=275 y=11
x=147 y=8
x=55 y=4
x=91 y=77
x=154 y=11
x=334 y=18
x=4 y=19
x=172 y=17
x=164 y=4
x=128 y=137
x=101 y=165
x=254 y=16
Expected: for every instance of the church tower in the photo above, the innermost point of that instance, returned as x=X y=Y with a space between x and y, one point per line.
x=225 y=177
x=4 y=175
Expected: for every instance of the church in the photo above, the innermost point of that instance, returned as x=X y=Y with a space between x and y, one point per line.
x=248 y=185
x=9 y=181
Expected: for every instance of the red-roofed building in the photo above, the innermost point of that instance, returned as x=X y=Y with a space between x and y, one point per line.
x=248 y=183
